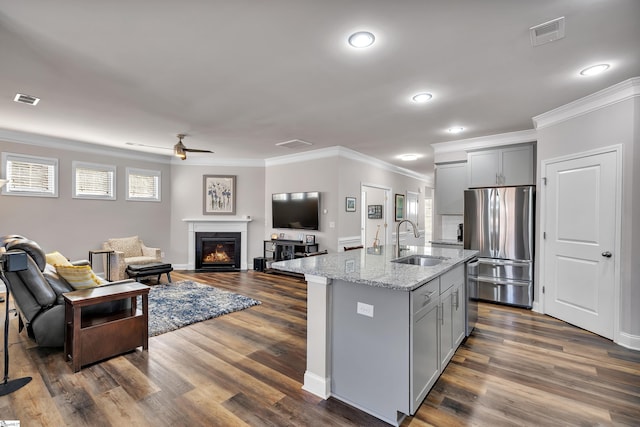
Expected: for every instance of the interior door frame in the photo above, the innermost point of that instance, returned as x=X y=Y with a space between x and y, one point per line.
x=617 y=245
x=385 y=209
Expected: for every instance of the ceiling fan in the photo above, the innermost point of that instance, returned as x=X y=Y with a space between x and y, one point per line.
x=181 y=151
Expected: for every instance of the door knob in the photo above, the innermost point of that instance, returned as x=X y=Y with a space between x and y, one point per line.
x=606 y=254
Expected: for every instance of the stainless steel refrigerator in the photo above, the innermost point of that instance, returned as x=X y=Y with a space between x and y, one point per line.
x=498 y=222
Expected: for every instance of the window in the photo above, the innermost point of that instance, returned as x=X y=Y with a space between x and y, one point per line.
x=143 y=185
x=93 y=181
x=30 y=175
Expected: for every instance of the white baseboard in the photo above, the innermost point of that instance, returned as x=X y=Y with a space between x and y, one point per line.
x=629 y=341
x=317 y=385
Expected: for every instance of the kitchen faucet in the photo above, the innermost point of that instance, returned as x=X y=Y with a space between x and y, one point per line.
x=415 y=233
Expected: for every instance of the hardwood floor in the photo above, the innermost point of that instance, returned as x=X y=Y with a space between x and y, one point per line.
x=518 y=368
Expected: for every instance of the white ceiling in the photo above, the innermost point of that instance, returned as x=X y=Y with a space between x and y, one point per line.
x=240 y=76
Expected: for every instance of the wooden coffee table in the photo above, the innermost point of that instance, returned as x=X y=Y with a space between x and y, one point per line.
x=91 y=338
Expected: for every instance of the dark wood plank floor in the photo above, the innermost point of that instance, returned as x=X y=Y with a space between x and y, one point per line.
x=518 y=368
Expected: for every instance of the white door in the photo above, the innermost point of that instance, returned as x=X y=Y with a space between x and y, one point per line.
x=579 y=257
x=374 y=215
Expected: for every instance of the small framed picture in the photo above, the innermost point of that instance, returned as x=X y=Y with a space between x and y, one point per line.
x=374 y=211
x=399 y=205
x=310 y=238
x=350 y=204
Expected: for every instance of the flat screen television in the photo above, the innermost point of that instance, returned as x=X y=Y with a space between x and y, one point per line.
x=296 y=210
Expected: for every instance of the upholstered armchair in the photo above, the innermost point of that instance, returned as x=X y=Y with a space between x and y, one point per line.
x=129 y=251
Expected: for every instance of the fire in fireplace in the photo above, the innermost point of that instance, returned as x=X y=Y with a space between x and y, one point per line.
x=217 y=251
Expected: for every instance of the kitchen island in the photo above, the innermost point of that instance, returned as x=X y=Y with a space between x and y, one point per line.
x=379 y=331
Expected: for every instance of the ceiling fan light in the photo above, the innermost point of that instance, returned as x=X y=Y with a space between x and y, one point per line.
x=178 y=150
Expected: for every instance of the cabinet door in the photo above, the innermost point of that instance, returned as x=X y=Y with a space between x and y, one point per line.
x=451 y=181
x=483 y=168
x=517 y=165
x=446 y=328
x=425 y=357
x=458 y=315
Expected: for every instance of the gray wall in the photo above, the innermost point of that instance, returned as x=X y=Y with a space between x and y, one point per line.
x=336 y=177
x=74 y=226
x=187 y=198
x=615 y=124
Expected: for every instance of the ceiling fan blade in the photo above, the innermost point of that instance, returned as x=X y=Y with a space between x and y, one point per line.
x=196 y=150
x=135 y=144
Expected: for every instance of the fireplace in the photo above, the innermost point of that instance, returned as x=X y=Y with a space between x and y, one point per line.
x=217 y=251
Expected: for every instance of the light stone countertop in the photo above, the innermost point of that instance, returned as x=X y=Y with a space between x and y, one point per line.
x=450 y=242
x=364 y=266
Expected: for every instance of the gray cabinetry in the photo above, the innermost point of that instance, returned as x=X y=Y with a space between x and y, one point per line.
x=451 y=313
x=380 y=365
x=451 y=181
x=512 y=165
x=425 y=357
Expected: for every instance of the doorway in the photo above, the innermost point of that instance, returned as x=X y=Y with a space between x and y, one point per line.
x=375 y=211
x=581 y=239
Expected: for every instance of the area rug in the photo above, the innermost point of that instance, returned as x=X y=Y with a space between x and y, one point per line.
x=175 y=305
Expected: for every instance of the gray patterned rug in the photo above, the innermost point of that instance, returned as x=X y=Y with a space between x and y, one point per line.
x=178 y=304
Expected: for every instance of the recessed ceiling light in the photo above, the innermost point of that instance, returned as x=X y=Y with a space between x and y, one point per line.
x=26 y=99
x=422 y=97
x=409 y=157
x=455 y=129
x=361 y=39
x=594 y=69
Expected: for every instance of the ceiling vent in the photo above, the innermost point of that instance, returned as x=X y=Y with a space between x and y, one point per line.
x=547 y=32
x=294 y=143
x=26 y=99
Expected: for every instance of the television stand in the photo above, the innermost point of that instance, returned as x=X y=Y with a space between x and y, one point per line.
x=280 y=249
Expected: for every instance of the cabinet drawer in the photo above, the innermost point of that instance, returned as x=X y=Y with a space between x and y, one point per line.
x=452 y=277
x=425 y=295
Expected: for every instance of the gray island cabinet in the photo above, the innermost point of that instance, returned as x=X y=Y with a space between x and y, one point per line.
x=380 y=333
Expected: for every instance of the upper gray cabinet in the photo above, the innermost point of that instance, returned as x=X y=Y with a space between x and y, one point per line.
x=501 y=166
x=451 y=181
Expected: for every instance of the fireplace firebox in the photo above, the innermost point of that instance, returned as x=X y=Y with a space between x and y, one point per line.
x=217 y=251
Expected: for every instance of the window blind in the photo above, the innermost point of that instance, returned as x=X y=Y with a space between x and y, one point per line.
x=143 y=185
x=30 y=175
x=94 y=181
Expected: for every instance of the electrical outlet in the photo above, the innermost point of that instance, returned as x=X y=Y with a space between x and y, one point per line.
x=161 y=254
x=365 y=309
x=332 y=224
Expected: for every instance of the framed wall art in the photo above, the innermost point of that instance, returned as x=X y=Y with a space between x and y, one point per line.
x=219 y=196
x=399 y=207
x=374 y=211
x=350 y=204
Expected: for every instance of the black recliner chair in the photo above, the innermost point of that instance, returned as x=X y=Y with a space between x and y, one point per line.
x=37 y=292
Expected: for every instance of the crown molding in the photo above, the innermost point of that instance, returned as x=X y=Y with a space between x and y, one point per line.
x=339 y=151
x=18 y=137
x=617 y=93
x=216 y=161
x=510 y=138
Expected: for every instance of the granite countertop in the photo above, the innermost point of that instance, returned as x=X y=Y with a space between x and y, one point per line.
x=451 y=242
x=374 y=268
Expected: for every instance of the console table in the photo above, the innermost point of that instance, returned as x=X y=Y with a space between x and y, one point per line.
x=91 y=338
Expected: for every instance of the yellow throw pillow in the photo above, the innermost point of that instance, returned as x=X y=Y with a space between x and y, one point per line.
x=79 y=276
x=56 y=258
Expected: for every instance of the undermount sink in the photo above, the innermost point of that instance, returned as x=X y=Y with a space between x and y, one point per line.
x=422 y=260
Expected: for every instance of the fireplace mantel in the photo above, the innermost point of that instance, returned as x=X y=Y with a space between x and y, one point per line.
x=228 y=224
